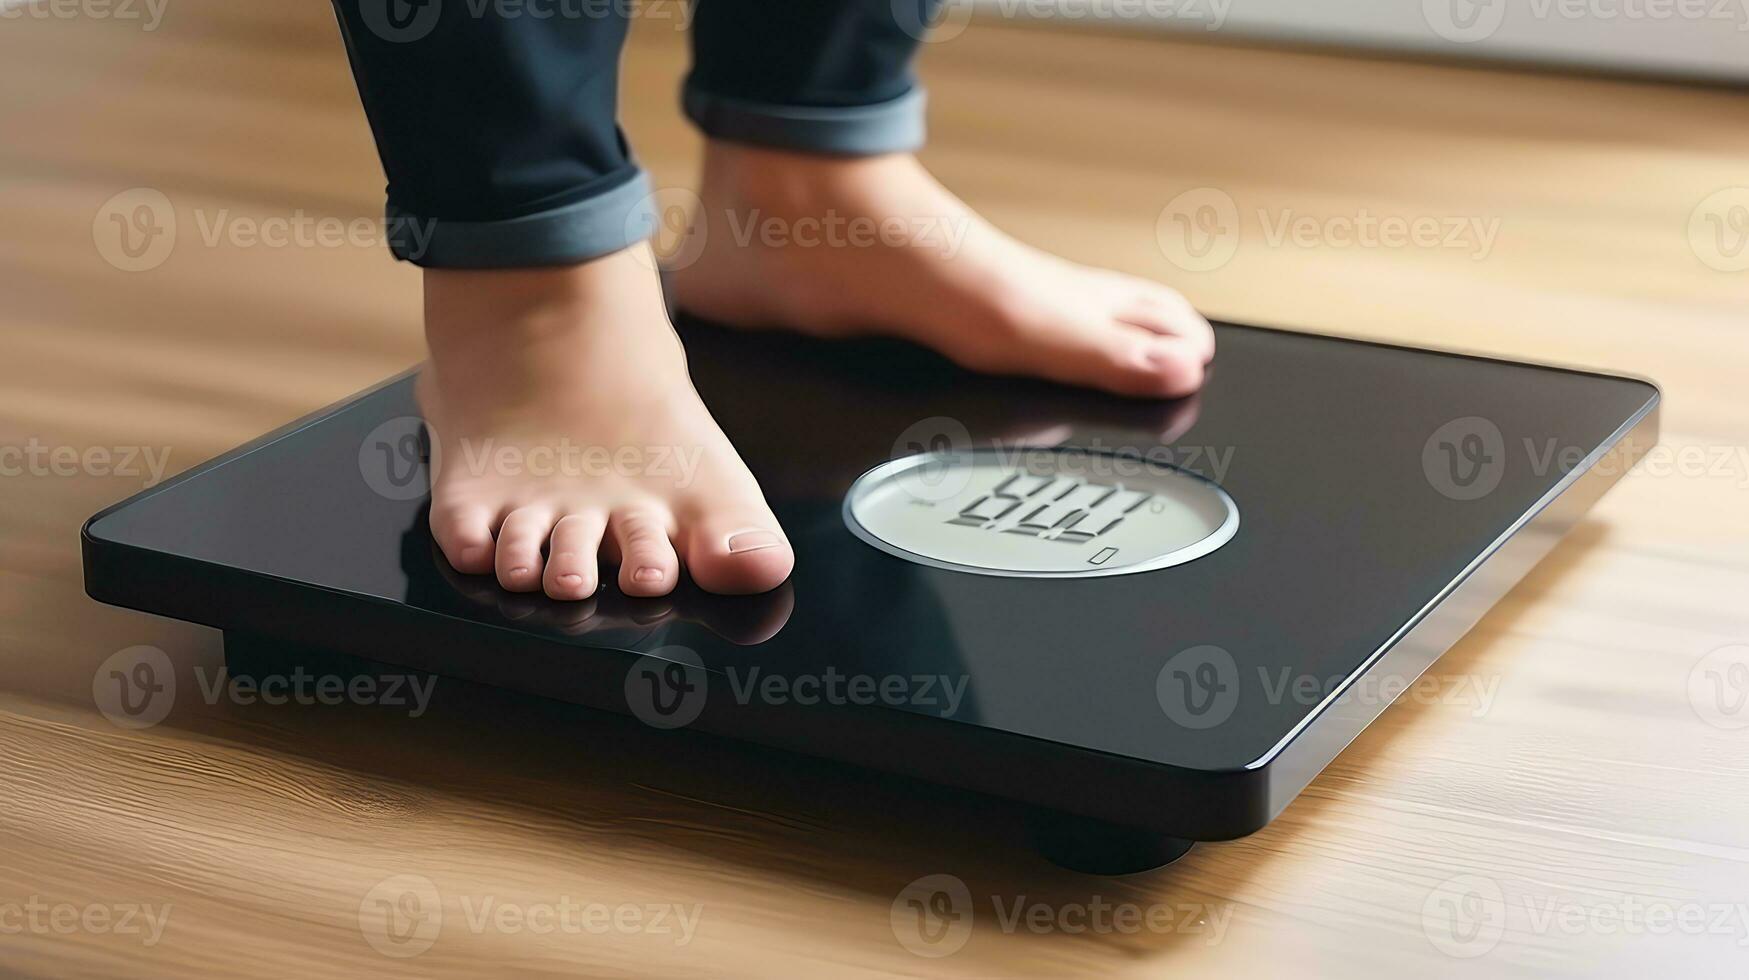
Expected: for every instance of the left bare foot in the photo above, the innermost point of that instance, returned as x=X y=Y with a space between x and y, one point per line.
x=842 y=246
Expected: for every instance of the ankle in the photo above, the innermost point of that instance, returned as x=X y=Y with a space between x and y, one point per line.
x=784 y=181
x=544 y=328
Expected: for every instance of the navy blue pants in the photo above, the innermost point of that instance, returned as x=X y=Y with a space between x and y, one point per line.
x=496 y=120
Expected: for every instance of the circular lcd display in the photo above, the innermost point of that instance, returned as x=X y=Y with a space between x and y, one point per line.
x=1039 y=513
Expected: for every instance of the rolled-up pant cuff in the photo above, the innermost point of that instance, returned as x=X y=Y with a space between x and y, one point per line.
x=894 y=126
x=597 y=225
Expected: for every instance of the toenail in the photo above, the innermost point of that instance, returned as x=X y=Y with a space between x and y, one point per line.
x=519 y=570
x=752 y=541
x=469 y=554
x=647 y=574
x=570 y=579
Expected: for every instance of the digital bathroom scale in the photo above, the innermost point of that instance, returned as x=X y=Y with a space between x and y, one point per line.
x=1152 y=623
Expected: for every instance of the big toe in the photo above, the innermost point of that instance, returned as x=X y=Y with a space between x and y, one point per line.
x=1117 y=357
x=738 y=554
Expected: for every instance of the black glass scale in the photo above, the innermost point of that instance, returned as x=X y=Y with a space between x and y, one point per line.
x=1152 y=623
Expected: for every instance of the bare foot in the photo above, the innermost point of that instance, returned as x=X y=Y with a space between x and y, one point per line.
x=839 y=246
x=567 y=428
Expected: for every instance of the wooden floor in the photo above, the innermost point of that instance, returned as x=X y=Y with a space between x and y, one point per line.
x=1593 y=795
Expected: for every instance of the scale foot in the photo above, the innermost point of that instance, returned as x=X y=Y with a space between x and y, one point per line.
x=1096 y=847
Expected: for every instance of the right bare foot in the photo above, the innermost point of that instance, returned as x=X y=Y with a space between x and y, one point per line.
x=568 y=431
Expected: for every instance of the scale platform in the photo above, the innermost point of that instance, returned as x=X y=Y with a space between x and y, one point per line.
x=1151 y=623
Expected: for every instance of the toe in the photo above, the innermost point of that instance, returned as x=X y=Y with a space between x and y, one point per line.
x=648 y=565
x=1119 y=358
x=519 y=548
x=738 y=553
x=1166 y=311
x=464 y=533
x=1178 y=365
x=572 y=565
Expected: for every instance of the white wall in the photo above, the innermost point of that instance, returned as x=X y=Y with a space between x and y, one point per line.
x=1691 y=38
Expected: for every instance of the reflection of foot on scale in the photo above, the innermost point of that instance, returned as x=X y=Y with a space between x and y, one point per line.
x=1127 y=598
